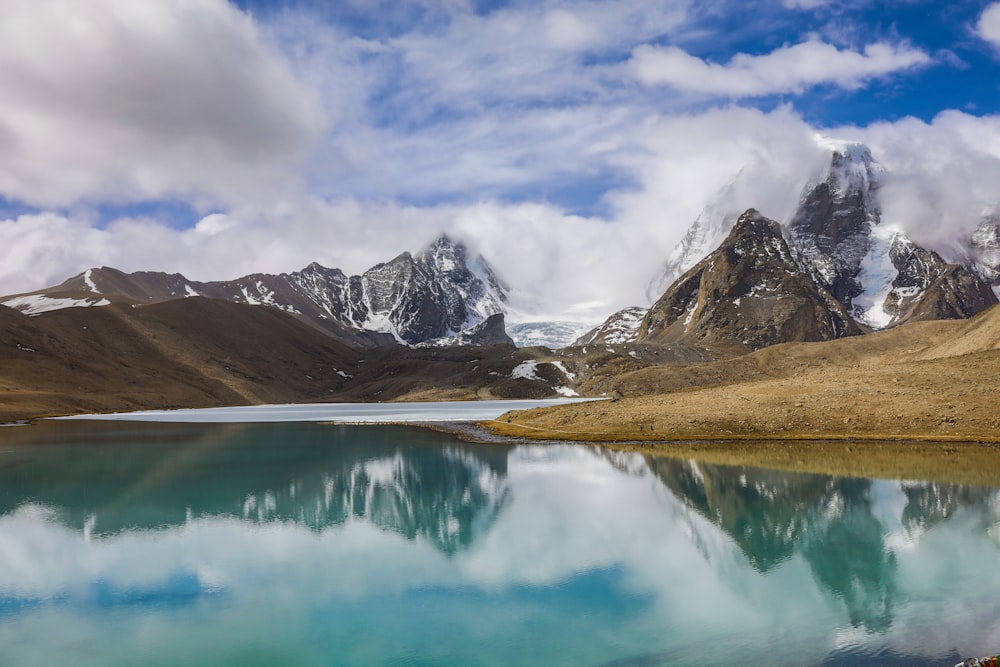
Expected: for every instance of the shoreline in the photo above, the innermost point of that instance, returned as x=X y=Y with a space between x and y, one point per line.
x=931 y=459
x=961 y=458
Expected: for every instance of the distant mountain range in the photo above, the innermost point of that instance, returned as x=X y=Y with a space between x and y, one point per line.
x=438 y=293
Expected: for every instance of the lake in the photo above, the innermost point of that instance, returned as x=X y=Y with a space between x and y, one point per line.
x=322 y=544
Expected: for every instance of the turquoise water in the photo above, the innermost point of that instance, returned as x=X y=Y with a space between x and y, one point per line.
x=308 y=544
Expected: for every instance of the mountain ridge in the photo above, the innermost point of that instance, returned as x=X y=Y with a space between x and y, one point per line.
x=837 y=234
x=408 y=300
x=749 y=293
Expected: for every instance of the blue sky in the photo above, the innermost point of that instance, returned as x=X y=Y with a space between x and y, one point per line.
x=219 y=138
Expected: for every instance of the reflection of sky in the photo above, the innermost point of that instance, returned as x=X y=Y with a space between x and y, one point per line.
x=586 y=563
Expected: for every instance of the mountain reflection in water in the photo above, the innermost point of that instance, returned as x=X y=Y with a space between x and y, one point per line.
x=315 y=477
x=337 y=545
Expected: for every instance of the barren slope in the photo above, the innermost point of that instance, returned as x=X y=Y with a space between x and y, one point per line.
x=190 y=353
x=932 y=381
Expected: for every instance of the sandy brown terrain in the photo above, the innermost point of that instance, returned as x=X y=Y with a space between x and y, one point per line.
x=190 y=353
x=934 y=383
x=185 y=353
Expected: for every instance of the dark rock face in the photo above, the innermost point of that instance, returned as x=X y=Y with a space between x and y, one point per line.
x=878 y=276
x=831 y=230
x=490 y=331
x=748 y=294
x=928 y=288
x=436 y=294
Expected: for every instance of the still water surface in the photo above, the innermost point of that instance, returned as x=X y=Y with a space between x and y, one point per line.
x=312 y=544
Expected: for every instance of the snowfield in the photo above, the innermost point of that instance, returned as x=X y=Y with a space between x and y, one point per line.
x=35 y=304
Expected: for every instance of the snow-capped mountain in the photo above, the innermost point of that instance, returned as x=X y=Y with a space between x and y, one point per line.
x=879 y=274
x=748 y=294
x=436 y=294
x=620 y=328
x=831 y=231
x=837 y=236
x=411 y=299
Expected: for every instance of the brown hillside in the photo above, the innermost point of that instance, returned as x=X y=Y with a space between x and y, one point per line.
x=185 y=353
x=932 y=381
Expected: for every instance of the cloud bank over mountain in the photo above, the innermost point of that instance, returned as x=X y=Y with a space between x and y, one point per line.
x=571 y=142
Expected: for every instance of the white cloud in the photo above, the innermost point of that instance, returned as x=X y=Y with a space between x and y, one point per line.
x=942 y=175
x=187 y=98
x=790 y=69
x=122 y=100
x=989 y=25
x=558 y=264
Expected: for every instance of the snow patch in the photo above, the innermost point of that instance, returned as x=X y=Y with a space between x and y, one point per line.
x=562 y=368
x=526 y=370
x=88 y=278
x=190 y=291
x=877 y=274
x=35 y=304
x=380 y=322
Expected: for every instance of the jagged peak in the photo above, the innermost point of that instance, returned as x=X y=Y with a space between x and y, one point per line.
x=443 y=240
x=314 y=266
x=753 y=221
x=851 y=166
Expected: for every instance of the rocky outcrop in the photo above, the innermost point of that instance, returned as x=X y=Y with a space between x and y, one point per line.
x=748 y=294
x=928 y=288
x=490 y=331
x=620 y=328
x=831 y=230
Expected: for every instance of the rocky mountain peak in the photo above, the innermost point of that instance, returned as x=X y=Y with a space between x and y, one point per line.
x=704 y=234
x=831 y=229
x=622 y=327
x=928 y=288
x=852 y=167
x=435 y=294
x=828 y=228
x=410 y=299
x=444 y=254
x=747 y=294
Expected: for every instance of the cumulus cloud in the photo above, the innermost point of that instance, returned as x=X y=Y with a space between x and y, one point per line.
x=989 y=25
x=462 y=122
x=942 y=174
x=558 y=264
x=121 y=100
x=790 y=69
